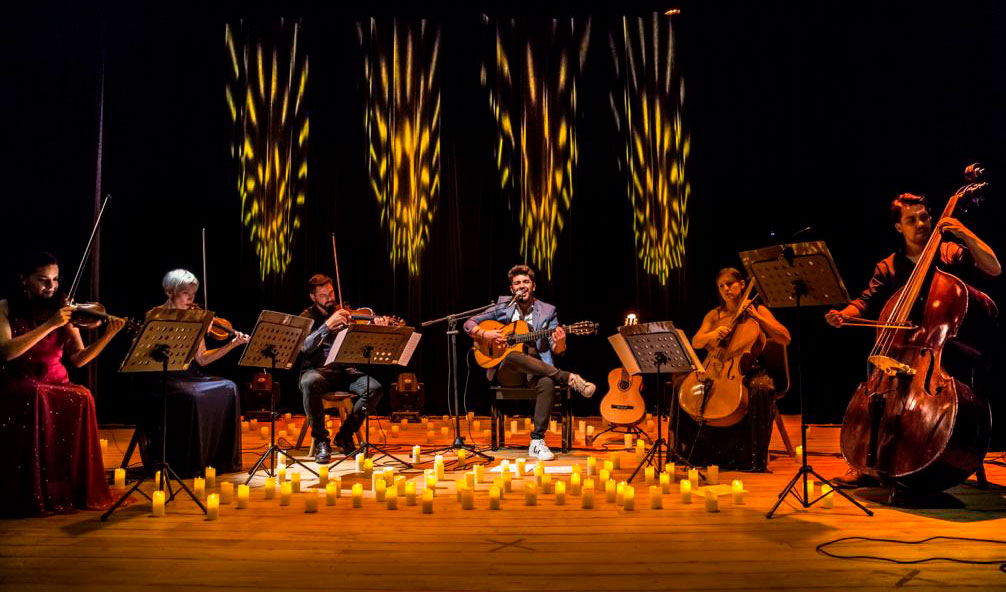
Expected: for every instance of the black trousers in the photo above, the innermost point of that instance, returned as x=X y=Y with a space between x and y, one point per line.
x=519 y=369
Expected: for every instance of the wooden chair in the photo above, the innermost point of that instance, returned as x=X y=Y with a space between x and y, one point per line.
x=342 y=402
x=520 y=393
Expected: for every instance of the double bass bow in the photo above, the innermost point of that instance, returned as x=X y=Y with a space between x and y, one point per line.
x=912 y=423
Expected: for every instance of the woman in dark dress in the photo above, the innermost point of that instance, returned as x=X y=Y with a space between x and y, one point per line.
x=204 y=412
x=48 y=427
x=743 y=446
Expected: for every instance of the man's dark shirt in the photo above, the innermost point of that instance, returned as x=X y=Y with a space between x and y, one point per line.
x=319 y=342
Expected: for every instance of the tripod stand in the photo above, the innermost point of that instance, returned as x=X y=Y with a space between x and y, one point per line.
x=798 y=275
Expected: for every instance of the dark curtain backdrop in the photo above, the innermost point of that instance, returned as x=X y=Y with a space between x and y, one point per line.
x=801 y=115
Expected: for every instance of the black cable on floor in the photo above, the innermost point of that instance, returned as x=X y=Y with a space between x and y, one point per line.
x=1002 y=562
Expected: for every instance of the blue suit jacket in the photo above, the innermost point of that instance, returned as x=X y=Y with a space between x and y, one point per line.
x=543 y=316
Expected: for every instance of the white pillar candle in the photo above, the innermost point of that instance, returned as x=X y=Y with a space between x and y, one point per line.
x=427 y=501
x=476 y=425
x=656 y=499
x=120 y=478
x=605 y=475
x=693 y=476
x=359 y=462
x=431 y=482
x=629 y=498
x=285 y=491
x=829 y=496
x=498 y=482
x=331 y=493
x=264 y=432
x=467 y=499
x=546 y=483
x=665 y=482
x=199 y=488
x=587 y=496
x=295 y=481
x=649 y=475
x=394 y=430
x=574 y=484
x=577 y=469
x=591 y=466
x=640 y=449
x=470 y=479
x=507 y=478
x=670 y=469
x=430 y=435
x=560 y=493
x=103 y=444
x=400 y=485
x=280 y=461
x=443 y=431
x=459 y=486
x=686 y=491
x=310 y=503
x=380 y=490
x=357 y=495
x=389 y=476
x=243 y=493
x=527 y=423
x=513 y=427
x=521 y=467
x=531 y=495
x=338 y=485
x=615 y=459
x=281 y=475
x=462 y=455
x=368 y=466
x=410 y=494
x=322 y=475
x=226 y=492
x=157 y=480
x=212 y=507
x=620 y=493
x=157 y=504
x=713 y=475
x=610 y=491
x=495 y=495
x=712 y=501
x=439 y=471
x=590 y=432
x=737 y=488
x=417 y=452
x=628 y=441
x=553 y=426
x=799 y=454
x=392 y=499
x=582 y=425
x=270 y=488
x=480 y=473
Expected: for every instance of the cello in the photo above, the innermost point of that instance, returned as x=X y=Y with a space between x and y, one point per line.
x=913 y=424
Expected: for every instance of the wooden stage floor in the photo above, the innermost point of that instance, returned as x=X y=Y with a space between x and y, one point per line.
x=544 y=547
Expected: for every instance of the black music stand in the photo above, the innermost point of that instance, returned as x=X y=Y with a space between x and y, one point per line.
x=798 y=275
x=168 y=340
x=653 y=348
x=373 y=345
x=275 y=343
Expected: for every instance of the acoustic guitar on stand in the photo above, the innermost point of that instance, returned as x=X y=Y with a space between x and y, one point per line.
x=489 y=354
x=623 y=404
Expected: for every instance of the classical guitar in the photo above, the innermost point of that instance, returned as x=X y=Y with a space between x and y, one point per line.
x=623 y=404
x=490 y=354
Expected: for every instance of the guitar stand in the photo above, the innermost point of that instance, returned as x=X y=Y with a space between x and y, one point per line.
x=618 y=429
x=660 y=445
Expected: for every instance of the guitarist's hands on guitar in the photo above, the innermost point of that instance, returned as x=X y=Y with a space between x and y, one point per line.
x=559 y=340
x=493 y=336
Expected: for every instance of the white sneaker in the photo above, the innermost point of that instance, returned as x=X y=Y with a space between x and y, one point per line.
x=538 y=449
x=582 y=386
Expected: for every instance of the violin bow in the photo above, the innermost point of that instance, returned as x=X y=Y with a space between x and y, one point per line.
x=338 y=282
x=87 y=252
x=206 y=290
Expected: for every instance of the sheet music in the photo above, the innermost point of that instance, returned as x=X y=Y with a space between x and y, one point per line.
x=410 y=348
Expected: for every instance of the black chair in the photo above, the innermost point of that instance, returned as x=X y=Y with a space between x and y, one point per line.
x=501 y=394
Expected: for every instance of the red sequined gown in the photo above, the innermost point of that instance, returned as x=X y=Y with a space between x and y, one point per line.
x=48 y=431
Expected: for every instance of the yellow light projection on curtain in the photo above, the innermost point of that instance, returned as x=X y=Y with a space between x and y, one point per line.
x=533 y=101
x=403 y=132
x=648 y=112
x=266 y=96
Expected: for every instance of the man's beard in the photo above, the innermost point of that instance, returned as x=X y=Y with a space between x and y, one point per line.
x=328 y=309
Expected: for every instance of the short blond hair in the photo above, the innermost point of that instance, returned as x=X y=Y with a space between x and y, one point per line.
x=177 y=279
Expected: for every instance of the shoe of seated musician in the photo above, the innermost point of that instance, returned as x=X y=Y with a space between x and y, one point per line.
x=538 y=449
x=853 y=479
x=584 y=387
x=344 y=443
x=322 y=452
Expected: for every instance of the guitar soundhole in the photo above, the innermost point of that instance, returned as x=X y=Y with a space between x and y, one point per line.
x=623 y=385
x=624 y=407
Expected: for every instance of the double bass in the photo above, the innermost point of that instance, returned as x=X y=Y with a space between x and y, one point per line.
x=912 y=423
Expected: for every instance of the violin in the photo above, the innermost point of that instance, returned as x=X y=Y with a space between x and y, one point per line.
x=365 y=316
x=220 y=328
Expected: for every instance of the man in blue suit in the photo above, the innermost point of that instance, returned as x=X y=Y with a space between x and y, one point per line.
x=535 y=367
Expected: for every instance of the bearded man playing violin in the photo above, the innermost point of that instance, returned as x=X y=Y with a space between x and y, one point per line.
x=318 y=378
x=962 y=255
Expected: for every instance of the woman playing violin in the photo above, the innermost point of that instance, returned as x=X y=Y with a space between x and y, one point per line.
x=744 y=445
x=204 y=412
x=52 y=430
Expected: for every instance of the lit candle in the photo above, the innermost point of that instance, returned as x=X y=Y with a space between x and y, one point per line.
x=199 y=487
x=368 y=466
x=120 y=478
x=591 y=466
x=459 y=486
x=285 y=491
x=157 y=505
x=693 y=476
x=357 y=495
x=686 y=491
x=322 y=475
x=480 y=473
x=737 y=487
x=799 y=454
x=429 y=436
x=410 y=494
x=212 y=507
x=331 y=493
x=310 y=503
x=610 y=491
x=400 y=486
x=670 y=469
x=546 y=483
x=628 y=441
x=539 y=473
x=507 y=480
x=295 y=481
x=380 y=490
x=810 y=488
x=605 y=475
x=462 y=454
x=431 y=482
x=665 y=483
x=443 y=431
x=495 y=495
x=531 y=495
x=587 y=497
x=328 y=425
x=615 y=459
x=582 y=425
x=359 y=462
x=553 y=426
x=513 y=427
x=338 y=485
x=270 y=488
x=629 y=498
x=590 y=432
x=103 y=443
x=243 y=493
x=829 y=496
x=640 y=449
x=521 y=467
x=438 y=469
x=620 y=493
x=389 y=476
x=281 y=474
x=649 y=474
x=467 y=499
x=527 y=423
x=226 y=492
x=417 y=451
x=427 y=501
x=574 y=484
x=656 y=500
x=560 y=493
x=394 y=430
x=264 y=432
x=392 y=499
x=712 y=501
x=498 y=482
x=713 y=475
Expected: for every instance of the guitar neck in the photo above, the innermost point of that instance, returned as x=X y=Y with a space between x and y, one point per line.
x=533 y=336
